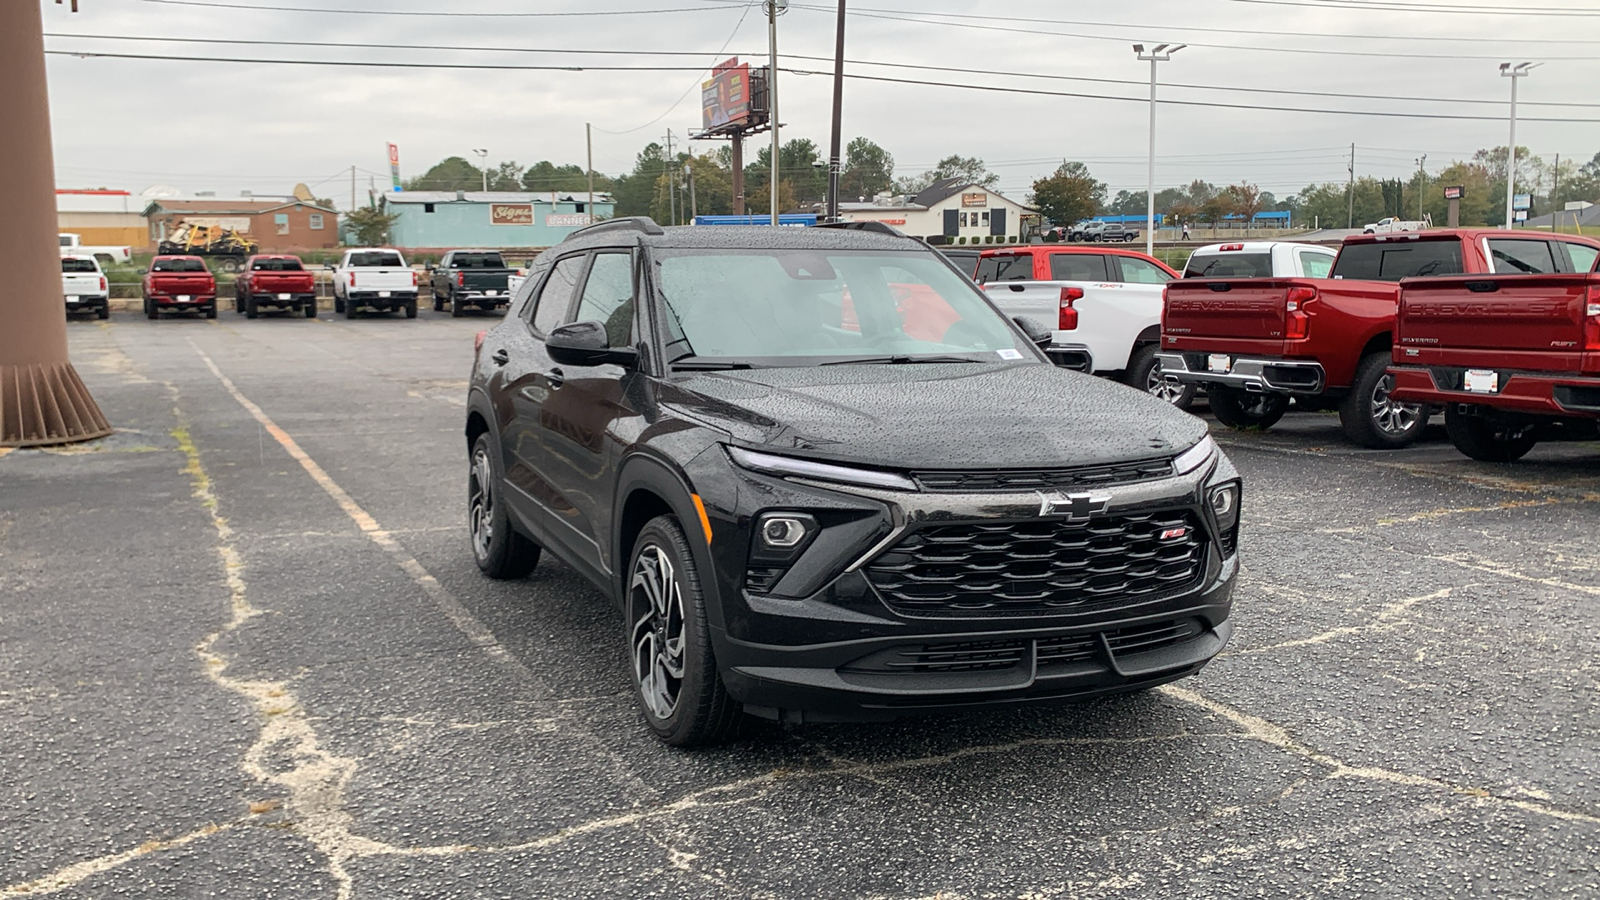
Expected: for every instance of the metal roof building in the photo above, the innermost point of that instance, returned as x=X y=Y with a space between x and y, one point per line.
x=441 y=219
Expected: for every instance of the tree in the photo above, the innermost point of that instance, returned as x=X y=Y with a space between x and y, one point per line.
x=712 y=194
x=868 y=170
x=1327 y=204
x=449 y=174
x=370 y=225
x=798 y=170
x=1069 y=194
x=635 y=192
x=759 y=202
x=1128 y=203
x=547 y=176
x=1244 y=200
x=970 y=169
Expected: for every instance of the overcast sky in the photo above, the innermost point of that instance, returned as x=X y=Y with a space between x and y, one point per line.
x=228 y=126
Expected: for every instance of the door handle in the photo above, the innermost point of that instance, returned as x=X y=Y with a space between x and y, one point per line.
x=501 y=357
x=556 y=377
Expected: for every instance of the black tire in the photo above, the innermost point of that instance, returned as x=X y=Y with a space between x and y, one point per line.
x=150 y=310
x=1144 y=373
x=499 y=549
x=311 y=308
x=1487 y=440
x=1242 y=409
x=104 y=312
x=349 y=310
x=457 y=309
x=691 y=708
x=438 y=302
x=211 y=311
x=338 y=304
x=411 y=309
x=251 y=311
x=1370 y=418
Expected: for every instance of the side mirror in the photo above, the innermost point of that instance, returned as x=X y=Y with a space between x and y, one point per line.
x=144 y=271
x=1035 y=331
x=330 y=267
x=586 y=344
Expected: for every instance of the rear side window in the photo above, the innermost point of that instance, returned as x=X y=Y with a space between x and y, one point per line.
x=477 y=261
x=1139 y=271
x=1394 y=260
x=1077 y=267
x=375 y=258
x=1005 y=268
x=555 y=300
x=1316 y=265
x=1582 y=256
x=79 y=265
x=1522 y=257
x=1229 y=265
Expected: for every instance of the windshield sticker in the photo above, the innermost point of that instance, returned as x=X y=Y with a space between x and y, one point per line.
x=1009 y=353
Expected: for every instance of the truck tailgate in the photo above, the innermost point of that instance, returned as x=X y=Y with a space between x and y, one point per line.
x=1251 y=308
x=1533 y=322
x=282 y=282
x=183 y=283
x=77 y=284
x=382 y=279
x=1039 y=300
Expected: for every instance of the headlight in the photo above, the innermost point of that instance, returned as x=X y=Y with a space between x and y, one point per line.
x=1196 y=456
x=1225 y=506
x=805 y=468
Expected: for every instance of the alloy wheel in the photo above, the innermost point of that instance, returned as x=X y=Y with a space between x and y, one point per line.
x=480 y=500
x=655 y=607
x=1392 y=416
x=1162 y=387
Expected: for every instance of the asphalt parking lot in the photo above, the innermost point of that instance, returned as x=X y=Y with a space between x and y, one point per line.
x=244 y=652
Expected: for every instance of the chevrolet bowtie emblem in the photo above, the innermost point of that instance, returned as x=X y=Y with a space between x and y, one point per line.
x=1076 y=507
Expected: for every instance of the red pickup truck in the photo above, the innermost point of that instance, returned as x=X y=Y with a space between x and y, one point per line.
x=1512 y=359
x=1254 y=343
x=277 y=281
x=179 y=283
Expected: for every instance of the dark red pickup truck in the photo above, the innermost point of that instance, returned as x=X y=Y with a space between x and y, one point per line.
x=177 y=284
x=276 y=281
x=1254 y=343
x=1513 y=359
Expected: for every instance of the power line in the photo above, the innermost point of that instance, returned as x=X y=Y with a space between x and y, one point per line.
x=432 y=13
x=693 y=84
x=1411 y=7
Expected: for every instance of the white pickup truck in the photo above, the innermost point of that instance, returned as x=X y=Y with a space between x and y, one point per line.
x=84 y=286
x=1260 y=259
x=72 y=245
x=374 y=278
x=1104 y=304
x=1391 y=224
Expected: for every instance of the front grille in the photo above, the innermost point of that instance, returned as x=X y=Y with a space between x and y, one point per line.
x=1143 y=638
x=1049 y=653
x=1043 y=479
x=1039 y=567
x=1060 y=651
x=967 y=656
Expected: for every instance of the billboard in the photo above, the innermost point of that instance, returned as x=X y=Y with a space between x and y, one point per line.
x=394 y=165
x=511 y=214
x=1453 y=192
x=725 y=99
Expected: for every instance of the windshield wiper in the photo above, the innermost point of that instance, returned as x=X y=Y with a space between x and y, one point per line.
x=898 y=359
x=710 y=365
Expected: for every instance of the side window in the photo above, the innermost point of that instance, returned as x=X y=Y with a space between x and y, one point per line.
x=555 y=300
x=1011 y=267
x=608 y=297
x=1139 y=271
x=1077 y=267
x=1582 y=256
x=1522 y=257
x=1315 y=265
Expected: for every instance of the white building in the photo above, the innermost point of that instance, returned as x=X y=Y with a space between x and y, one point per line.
x=953 y=208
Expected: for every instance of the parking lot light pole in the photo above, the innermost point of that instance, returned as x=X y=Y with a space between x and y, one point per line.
x=1513 y=72
x=774 y=9
x=483 y=167
x=1158 y=53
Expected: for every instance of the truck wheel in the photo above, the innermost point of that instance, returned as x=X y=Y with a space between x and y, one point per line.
x=150 y=309
x=211 y=311
x=104 y=311
x=311 y=308
x=1487 y=440
x=349 y=309
x=1370 y=418
x=675 y=675
x=500 y=550
x=1241 y=409
x=251 y=311
x=438 y=302
x=411 y=309
x=1144 y=372
x=338 y=304
x=457 y=308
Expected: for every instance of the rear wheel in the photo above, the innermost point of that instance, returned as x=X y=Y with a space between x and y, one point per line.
x=675 y=675
x=150 y=310
x=251 y=311
x=457 y=309
x=411 y=309
x=311 y=308
x=1144 y=372
x=1370 y=418
x=104 y=311
x=1242 y=409
x=211 y=311
x=349 y=309
x=499 y=549
x=1488 y=440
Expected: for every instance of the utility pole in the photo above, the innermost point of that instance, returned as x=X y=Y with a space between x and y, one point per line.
x=835 y=164
x=694 y=204
x=738 y=171
x=588 y=139
x=352 y=188
x=672 y=183
x=1352 y=189
x=774 y=7
x=1422 y=179
x=1158 y=53
x=1555 y=189
x=1513 y=72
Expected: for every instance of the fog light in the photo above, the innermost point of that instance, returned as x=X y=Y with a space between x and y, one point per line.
x=1225 y=505
x=782 y=532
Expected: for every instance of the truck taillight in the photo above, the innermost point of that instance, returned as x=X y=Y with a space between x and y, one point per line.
x=413 y=278
x=1069 y=316
x=1297 y=324
x=461 y=279
x=1591 y=320
x=352 y=279
x=102 y=282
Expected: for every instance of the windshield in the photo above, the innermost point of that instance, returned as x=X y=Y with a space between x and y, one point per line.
x=275 y=265
x=375 y=258
x=477 y=261
x=1394 y=260
x=1230 y=264
x=779 y=307
x=177 y=265
x=78 y=265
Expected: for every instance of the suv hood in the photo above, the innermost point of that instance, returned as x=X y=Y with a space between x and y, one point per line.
x=937 y=415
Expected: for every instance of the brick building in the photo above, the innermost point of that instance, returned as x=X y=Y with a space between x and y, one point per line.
x=278 y=224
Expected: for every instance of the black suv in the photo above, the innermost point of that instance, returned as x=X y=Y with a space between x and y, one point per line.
x=825 y=479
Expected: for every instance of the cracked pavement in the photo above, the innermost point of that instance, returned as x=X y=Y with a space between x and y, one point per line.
x=244 y=652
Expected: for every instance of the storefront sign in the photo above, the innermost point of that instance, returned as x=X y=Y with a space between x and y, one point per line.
x=974 y=199
x=511 y=214
x=567 y=220
x=1453 y=192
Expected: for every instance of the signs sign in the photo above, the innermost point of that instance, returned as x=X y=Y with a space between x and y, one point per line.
x=1521 y=201
x=974 y=199
x=511 y=214
x=567 y=220
x=725 y=99
x=1453 y=192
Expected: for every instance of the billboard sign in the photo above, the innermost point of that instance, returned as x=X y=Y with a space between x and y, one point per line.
x=394 y=165
x=1522 y=201
x=568 y=220
x=1453 y=192
x=725 y=99
x=511 y=214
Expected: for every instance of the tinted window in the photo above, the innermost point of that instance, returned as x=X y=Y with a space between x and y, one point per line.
x=556 y=297
x=1229 y=264
x=1582 y=256
x=67 y=242
x=375 y=258
x=1077 y=267
x=1522 y=257
x=1394 y=260
x=177 y=265
x=608 y=297
x=477 y=261
x=1005 y=268
x=79 y=265
x=1316 y=265
x=275 y=265
x=1139 y=271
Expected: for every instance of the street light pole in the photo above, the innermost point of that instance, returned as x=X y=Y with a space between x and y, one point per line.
x=835 y=164
x=1513 y=72
x=774 y=8
x=483 y=166
x=1158 y=53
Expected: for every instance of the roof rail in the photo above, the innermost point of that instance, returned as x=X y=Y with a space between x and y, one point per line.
x=876 y=227
x=642 y=224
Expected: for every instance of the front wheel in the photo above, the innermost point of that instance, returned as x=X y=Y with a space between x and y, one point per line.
x=500 y=550
x=1371 y=418
x=1144 y=372
x=1488 y=440
x=1242 y=409
x=675 y=675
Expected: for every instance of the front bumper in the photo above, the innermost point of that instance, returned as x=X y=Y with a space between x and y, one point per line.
x=1258 y=375
x=1534 y=393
